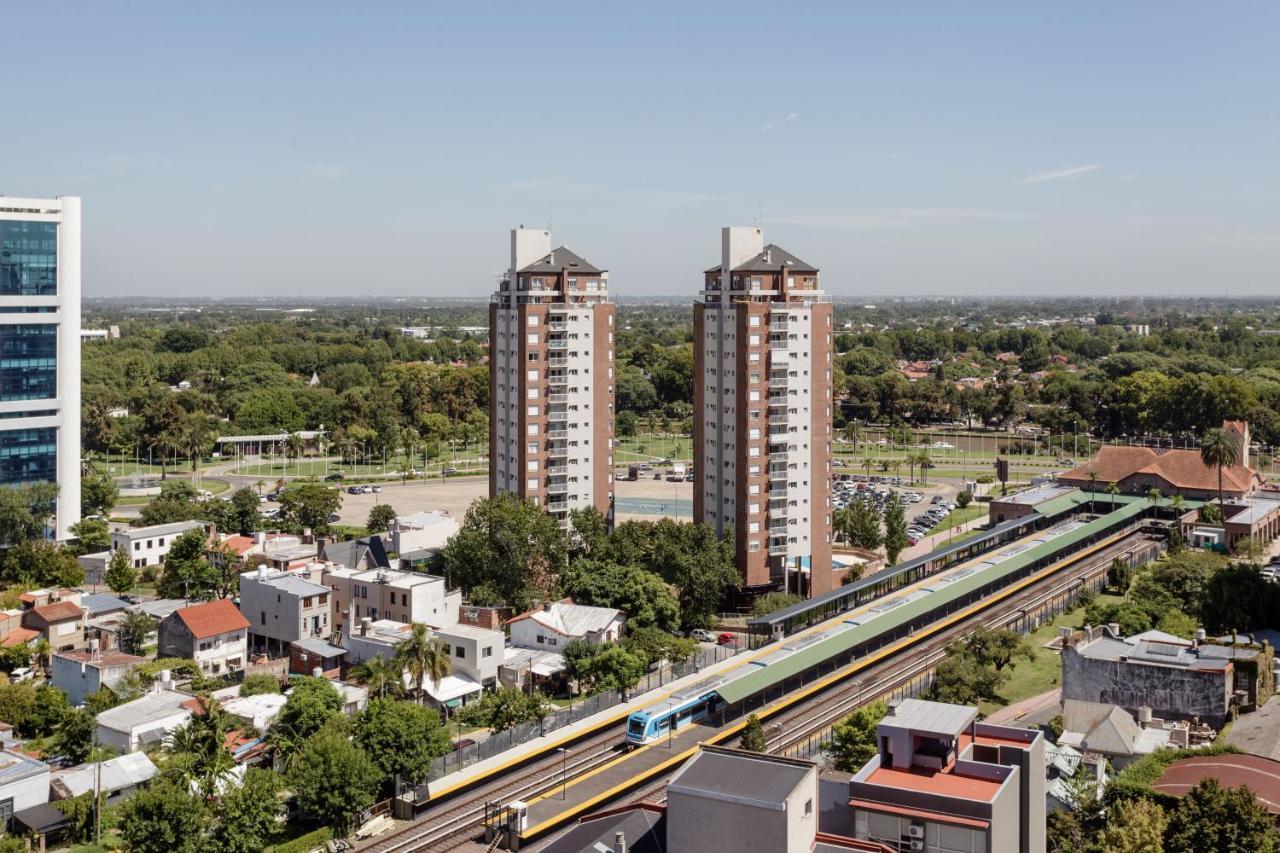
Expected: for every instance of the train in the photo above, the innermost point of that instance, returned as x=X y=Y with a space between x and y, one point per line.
x=861 y=633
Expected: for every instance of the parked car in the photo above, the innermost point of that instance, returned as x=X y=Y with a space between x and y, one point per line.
x=22 y=673
x=354 y=490
x=463 y=743
x=334 y=518
x=726 y=638
x=333 y=477
x=449 y=471
x=702 y=635
x=376 y=489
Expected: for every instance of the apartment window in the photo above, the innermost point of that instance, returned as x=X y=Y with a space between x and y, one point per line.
x=533 y=464
x=754 y=340
x=137 y=546
x=542 y=640
x=533 y=447
x=753 y=527
x=486 y=652
x=533 y=393
x=533 y=320
x=263 y=619
x=533 y=375
x=460 y=653
x=532 y=429
x=531 y=483
x=532 y=411
x=755 y=319
x=162 y=542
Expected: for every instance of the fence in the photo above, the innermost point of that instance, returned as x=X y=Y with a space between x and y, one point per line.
x=499 y=742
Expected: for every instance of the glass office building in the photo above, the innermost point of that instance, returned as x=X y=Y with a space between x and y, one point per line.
x=40 y=348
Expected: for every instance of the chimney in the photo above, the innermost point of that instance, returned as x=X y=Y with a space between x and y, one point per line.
x=262 y=572
x=258 y=537
x=1114 y=629
x=546 y=607
x=317 y=672
x=364 y=626
x=307 y=538
x=620 y=842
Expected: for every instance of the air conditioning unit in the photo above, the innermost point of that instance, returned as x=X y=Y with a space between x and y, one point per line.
x=915 y=831
x=917 y=844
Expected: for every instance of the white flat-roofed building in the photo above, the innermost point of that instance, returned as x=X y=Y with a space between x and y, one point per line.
x=40 y=339
x=145 y=721
x=389 y=594
x=422 y=531
x=147 y=546
x=283 y=607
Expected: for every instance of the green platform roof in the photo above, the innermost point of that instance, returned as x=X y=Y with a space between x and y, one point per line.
x=763 y=677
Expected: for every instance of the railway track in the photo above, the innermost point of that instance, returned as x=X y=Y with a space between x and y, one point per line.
x=454 y=823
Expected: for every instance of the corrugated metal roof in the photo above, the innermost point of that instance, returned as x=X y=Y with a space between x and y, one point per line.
x=754 y=681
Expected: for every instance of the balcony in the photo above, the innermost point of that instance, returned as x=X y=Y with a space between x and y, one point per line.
x=777 y=420
x=776 y=326
x=558 y=470
x=778 y=380
x=778 y=549
x=557 y=452
x=557 y=433
x=778 y=342
x=557 y=413
x=557 y=326
x=557 y=506
x=557 y=343
x=558 y=360
x=777 y=525
x=558 y=488
x=776 y=456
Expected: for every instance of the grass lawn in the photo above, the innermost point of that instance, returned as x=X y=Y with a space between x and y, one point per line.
x=959 y=516
x=1044 y=672
x=646 y=448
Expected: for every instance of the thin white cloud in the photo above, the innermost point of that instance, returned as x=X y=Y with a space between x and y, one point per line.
x=774 y=124
x=325 y=172
x=1059 y=174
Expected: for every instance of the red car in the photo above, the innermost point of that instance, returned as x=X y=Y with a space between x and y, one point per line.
x=726 y=639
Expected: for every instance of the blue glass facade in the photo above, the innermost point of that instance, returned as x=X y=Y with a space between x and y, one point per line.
x=28 y=455
x=28 y=258
x=28 y=362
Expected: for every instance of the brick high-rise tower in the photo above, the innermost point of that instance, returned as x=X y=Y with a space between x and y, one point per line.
x=551 y=328
x=762 y=413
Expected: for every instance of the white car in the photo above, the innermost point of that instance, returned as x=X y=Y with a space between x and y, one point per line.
x=22 y=673
x=702 y=635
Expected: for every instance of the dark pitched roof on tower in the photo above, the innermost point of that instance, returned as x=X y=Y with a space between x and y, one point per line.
x=559 y=259
x=772 y=259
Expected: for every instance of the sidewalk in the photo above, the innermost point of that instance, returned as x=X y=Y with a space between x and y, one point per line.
x=552 y=740
x=1029 y=711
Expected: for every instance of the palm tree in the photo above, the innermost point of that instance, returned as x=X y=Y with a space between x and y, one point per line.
x=1219 y=450
x=1113 y=489
x=1092 y=476
x=200 y=749
x=925 y=462
x=423 y=657
x=294 y=447
x=1177 y=502
x=1155 y=496
x=258 y=485
x=380 y=676
x=868 y=464
x=42 y=651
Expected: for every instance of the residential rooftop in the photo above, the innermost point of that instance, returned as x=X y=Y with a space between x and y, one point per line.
x=753 y=779
x=170 y=529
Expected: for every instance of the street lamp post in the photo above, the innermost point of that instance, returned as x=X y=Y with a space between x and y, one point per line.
x=564 y=772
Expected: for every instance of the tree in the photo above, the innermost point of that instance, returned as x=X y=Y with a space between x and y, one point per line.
x=248 y=814
x=753 y=735
x=504 y=709
x=310 y=505
x=75 y=736
x=333 y=779
x=1210 y=817
x=1134 y=826
x=766 y=604
x=380 y=677
x=162 y=818
x=33 y=563
x=854 y=738
x=98 y=494
x=860 y=524
x=92 y=534
x=401 y=738
x=244 y=517
x=163 y=429
x=964 y=499
x=961 y=679
x=423 y=657
x=654 y=644
x=700 y=566
x=47 y=713
x=259 y=683
x=639 y=593
x=24 y=511
x=198 y=751
x=615 y=668
x=17 y=703
x=380 y=518
x=187 y=574
x=1119 y=574
x=120 y=576
x=1219 y=449
x=1113 y=489
x=509 y=546
x=135 y=628
x=294 y=447
x=895 y=529
x=313 y=703
x=998 y=648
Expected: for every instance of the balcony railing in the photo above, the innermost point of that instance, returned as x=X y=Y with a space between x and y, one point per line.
x=558 y=470
x=777 y=420
x=777 y=380
x=557 y=398
x=557 y=433
x=557 y=488
x=777 y=549
x=558 y=360
x=557 y=326
x=557 y=343
x=779 y=342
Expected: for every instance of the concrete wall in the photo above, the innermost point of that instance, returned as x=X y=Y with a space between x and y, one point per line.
x=1171 y=692
x=698 y=824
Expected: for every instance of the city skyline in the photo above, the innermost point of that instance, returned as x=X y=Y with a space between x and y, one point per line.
x=947 y=152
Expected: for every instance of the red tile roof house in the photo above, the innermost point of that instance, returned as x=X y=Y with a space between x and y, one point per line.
x=215 y=635
x=59 y=622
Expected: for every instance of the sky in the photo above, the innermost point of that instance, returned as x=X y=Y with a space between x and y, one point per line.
x=906 y=149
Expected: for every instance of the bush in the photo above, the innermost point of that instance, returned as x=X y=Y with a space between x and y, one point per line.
x=259 y=683
x=303 y=843
x=984 y=479
x=1135 y=781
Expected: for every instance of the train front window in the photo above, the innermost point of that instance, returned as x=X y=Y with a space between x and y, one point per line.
x=635 y=727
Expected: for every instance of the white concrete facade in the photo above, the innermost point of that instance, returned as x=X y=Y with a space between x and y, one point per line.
x=62 y=310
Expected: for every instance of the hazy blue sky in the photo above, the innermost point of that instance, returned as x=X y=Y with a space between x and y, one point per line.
x=385 y=148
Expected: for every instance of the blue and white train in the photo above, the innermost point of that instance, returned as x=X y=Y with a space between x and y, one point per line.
x=684 y=708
